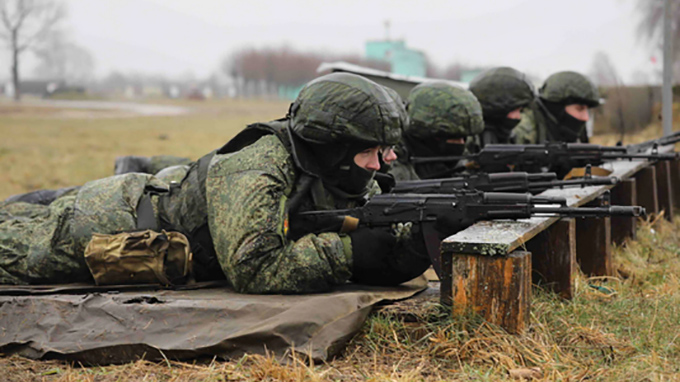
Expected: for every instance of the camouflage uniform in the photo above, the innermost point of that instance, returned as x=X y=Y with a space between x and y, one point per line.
x=500 y=91
x=539 y=124
x=437 y=111
x=233 y=204
x=44 y=244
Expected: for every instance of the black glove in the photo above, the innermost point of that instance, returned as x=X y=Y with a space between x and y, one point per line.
x=380 y=259
x=385 y=181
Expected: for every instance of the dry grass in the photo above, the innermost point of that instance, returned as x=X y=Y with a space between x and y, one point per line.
x=43 y=149
x=624 y=328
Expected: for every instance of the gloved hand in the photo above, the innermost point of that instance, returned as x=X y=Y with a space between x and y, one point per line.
x=371 y=248
x=388 y=256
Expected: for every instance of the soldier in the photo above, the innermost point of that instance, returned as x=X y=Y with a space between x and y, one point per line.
x=237 y=205
x=560 y=112
x=503 y=92
x=441 y=116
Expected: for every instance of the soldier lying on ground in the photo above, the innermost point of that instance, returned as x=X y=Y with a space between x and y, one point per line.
x=441 y=116
x=235 y=204
x=560 y=112
x=503 y=92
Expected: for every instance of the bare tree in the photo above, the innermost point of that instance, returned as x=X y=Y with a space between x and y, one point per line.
x=603 y=71
x=24 y=24
x=61 y=59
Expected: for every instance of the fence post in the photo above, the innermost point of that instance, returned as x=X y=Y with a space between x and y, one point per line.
x=624 y=194
x=664 y=188
x=647 y=194
x=593 y=246
x=553 y=257
x=498 y=288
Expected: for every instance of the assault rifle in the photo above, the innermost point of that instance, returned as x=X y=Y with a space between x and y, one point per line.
x=559 y=156
x=497 y=182
x=653 y=143
x=460 y=210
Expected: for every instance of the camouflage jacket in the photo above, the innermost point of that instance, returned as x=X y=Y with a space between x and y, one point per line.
x=245 y=208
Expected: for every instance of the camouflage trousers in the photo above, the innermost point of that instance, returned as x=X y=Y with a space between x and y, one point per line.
x=36 y=245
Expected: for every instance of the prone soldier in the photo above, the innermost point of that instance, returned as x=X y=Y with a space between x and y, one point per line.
x=503 y=92
x=560 y=112
x=235 y=205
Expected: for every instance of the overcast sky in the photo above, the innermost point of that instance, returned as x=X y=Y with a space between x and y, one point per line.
x=177 y=37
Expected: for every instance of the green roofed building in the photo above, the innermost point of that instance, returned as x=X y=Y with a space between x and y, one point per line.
x=404 y=61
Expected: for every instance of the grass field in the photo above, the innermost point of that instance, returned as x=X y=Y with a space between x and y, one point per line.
x=624 y=328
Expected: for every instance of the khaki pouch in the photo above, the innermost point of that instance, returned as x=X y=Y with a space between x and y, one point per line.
x=144 y=257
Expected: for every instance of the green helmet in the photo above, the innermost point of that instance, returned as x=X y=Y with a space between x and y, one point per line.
x=569 y=88
x=439 y=109
x=502 y=90
x=344 y=107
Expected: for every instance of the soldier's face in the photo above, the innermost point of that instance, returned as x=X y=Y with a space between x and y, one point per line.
x=578 y=111
x=515 y=114
x=369 y=159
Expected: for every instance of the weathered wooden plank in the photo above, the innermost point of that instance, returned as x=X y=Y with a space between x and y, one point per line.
x=497 y=288
x=593 y=246
x=624 y=194
x=553 y=257
x=647 y=194
x=504 y=236
x=664 y=191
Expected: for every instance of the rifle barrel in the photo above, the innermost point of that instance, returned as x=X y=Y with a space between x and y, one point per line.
x=628 y=211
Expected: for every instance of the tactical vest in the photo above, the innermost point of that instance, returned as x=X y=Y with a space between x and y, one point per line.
x=184 y=209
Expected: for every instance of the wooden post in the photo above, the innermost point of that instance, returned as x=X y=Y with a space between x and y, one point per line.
x=593 y=246
x=675 y=182
x=496 y=287
x=553 y=257
x=646 y=190
x=663 y=186
x=624 y=194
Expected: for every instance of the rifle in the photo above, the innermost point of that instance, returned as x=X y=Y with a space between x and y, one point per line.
x=558 y=156
x=654 y=143
x=461 y=209
x=497 y=182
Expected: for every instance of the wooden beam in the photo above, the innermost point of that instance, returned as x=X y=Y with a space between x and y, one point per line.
x=553 y=258
x=593 y=246
x=647 y=195
x=624 y=194
x=675 y=182
x=664 y=188
x=497 y=288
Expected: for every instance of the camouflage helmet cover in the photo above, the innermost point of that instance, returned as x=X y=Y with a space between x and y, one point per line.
x=342 y=107
x=439 y=109
x=568 y=88
x=502 y=90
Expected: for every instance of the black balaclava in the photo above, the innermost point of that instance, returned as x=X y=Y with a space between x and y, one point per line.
x=501 y=126
x=339 y=173
x=434 y=147
x=569 y=129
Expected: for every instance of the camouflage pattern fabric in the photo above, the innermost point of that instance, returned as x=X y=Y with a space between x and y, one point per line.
x=529 y=129
x=569 y=88
x=501 y=90
x=439 y=109
x=246 y=195
x=160 y=162
x=147 y=165
x=344 y=106
x=45 y=244
x=172 y=173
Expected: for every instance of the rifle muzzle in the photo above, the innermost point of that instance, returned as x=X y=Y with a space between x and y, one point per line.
x=516 y=198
